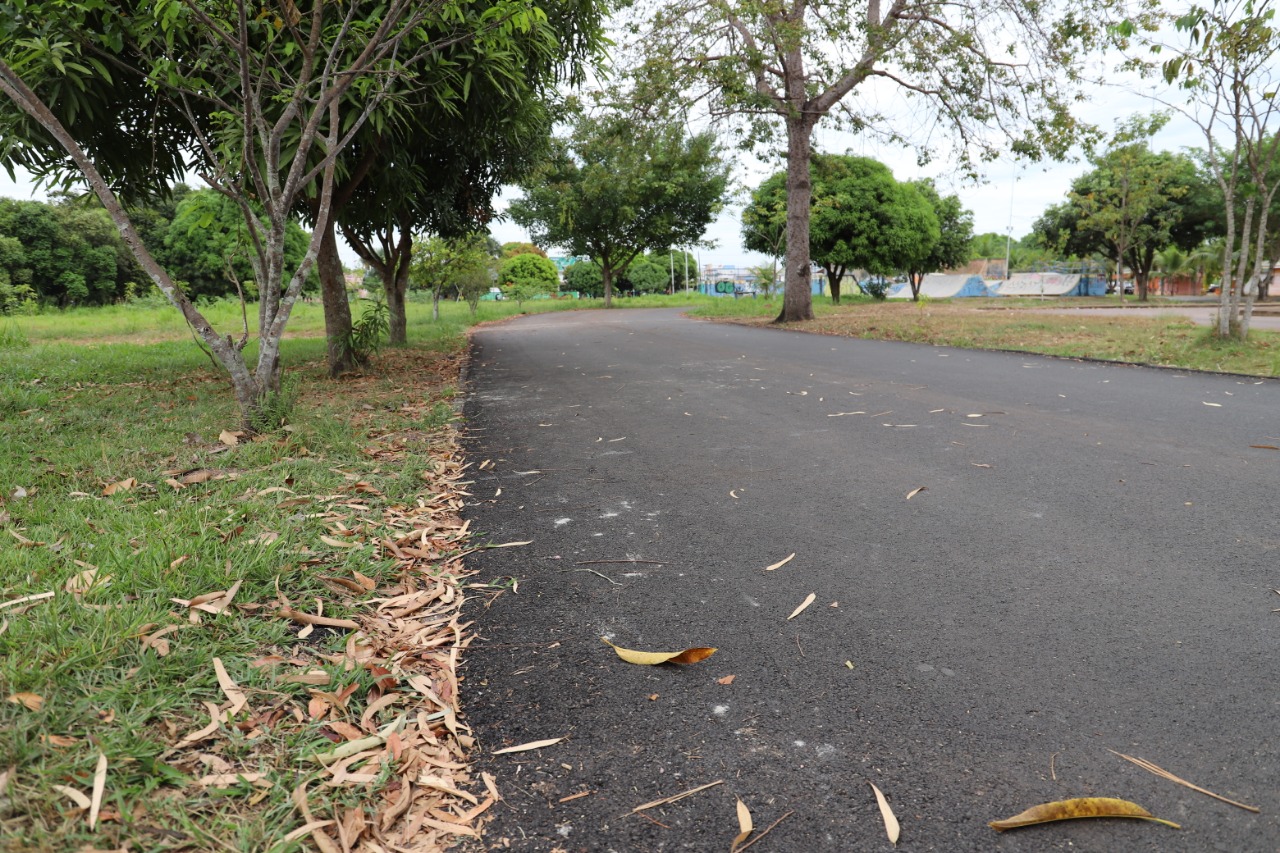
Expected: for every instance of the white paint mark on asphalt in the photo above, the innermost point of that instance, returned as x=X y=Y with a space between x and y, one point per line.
x=798 y=743
x=720 y=710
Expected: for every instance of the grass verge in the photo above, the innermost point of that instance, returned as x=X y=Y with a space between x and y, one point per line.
x=188 y=620
x=1143 y=338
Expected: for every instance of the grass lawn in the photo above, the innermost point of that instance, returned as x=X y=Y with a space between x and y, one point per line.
x=177 y=605
x=1020 y=324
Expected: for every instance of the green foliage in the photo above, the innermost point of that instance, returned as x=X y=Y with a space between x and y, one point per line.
x=452 y=264
x=878 y=288
x=586 y=277
x=861 y=218
x=619 y=187
x=510 y=250
x=62 y=254
x=208 y=247
x=532 y=270
x=1131 y=205
x=276 y=407
x=368 y=333
x=645 y=275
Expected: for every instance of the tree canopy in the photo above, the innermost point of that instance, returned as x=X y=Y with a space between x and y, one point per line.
x=861 y=219
x=996 y=75
x=617 y=187
x=1130 y=206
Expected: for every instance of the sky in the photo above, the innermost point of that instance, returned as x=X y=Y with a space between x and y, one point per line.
x=1009 y=199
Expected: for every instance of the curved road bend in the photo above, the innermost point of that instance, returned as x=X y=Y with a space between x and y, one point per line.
x=1090 y=567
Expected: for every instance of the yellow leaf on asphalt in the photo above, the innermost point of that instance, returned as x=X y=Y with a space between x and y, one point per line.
x=744 y=825
x=781 y=563
x=728 y=679
x=525 y=747
x=891 y=827
x=808 y=600
x=917 y=490
x=690 y=655
x=1215 y=405
x=1077 y=808
x=122 y=486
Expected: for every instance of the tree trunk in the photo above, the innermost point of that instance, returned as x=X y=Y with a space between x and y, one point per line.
x=916 y=280
x=337 y=311
x=834 y=274
x=797 y=295
x=607 y=271
x=1141 y=283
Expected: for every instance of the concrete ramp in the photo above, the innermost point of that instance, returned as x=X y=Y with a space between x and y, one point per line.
x=938 y=285
x=1040 y=284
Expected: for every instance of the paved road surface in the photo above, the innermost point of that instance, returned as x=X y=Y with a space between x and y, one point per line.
x=1090 y=567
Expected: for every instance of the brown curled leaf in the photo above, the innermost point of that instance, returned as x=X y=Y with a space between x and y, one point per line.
x=690 y=655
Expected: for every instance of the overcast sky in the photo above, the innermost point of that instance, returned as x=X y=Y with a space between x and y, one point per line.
x=1012 y=195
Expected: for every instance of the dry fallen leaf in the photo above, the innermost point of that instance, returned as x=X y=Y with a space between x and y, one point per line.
x=808 y=600
x=1160 y=771
x=917 y=490
x=1077 y=808
x=99 y=785
x=31 y=701
x=229 y=687
x=728 y=679
x=744 y=825
x=525 y=747
x=781 y=562
x=690 y=655
x=676 y=797
x=1265 y=446
x=1215 y=405
x=122 y=486
x=229 y=438
x=891 y=827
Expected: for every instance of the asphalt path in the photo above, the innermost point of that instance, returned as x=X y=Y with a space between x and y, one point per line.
x=1089 y=567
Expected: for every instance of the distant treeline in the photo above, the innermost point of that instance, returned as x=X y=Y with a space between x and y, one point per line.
x=67 y=252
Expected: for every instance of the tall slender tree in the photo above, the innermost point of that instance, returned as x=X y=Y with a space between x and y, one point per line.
x=996 y=74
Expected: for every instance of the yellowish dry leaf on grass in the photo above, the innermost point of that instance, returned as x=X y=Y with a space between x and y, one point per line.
x=690 y=655
x=99 y=786
x=891 y=827
x=338 y=543
x=665 y=801
x=30 y=701
x=75 y=796
x=308 y=619
x=526 y=747
x=26 y=599
x=80 y=583
x=917 y=490
x=229 y=438
x=121 y=486
x=230 y=780
x=781 y=562
x=1082 y=807
x=229 y=687
x=807 y=601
